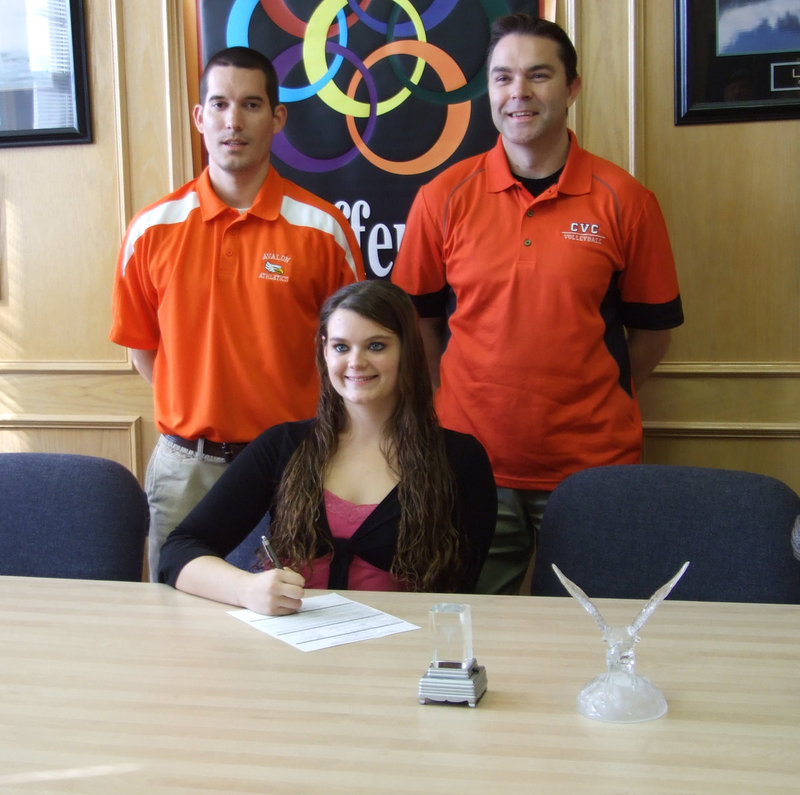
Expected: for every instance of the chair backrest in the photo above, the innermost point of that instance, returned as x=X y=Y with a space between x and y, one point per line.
x=74 y=516
x=623 y=531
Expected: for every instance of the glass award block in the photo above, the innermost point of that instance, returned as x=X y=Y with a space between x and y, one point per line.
x=452 y=636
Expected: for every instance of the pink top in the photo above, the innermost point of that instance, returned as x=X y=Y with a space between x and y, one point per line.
x=344 y=518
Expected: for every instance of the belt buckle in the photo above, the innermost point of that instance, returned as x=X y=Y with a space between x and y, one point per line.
x=227 y=452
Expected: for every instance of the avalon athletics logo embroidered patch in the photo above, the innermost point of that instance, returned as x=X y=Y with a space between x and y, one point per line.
x=584 y=233
x=274 y=267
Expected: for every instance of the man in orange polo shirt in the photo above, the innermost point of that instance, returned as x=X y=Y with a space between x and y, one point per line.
x=218 y=288
x=553 y=273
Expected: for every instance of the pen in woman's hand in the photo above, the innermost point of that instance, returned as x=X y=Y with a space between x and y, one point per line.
x=271 y=553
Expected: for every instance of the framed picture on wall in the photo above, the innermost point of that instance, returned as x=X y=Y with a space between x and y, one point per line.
x=736 y=60
x=44 y=85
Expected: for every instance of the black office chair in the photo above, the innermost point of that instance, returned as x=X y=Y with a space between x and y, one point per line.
x=623 y=531
x=72 y=516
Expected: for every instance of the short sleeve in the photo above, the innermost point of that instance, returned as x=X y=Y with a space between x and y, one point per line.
x=419 y=268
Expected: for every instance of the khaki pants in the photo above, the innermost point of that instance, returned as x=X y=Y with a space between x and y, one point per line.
x=176 y=480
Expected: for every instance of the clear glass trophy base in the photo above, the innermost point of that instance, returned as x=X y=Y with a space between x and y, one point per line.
x=621 y=697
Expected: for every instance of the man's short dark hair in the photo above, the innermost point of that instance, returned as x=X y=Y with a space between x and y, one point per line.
x=528 y=25
x=243 y=58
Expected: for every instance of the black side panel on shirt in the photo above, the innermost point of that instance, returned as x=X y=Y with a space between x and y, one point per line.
x=614 y=337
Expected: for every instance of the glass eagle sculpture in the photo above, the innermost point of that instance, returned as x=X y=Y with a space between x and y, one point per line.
x=620 y=695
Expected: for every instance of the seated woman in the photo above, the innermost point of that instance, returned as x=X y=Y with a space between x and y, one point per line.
x=372 y=494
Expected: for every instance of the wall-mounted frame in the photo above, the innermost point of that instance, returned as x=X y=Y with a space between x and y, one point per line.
x=736 y=60
x=44 y=82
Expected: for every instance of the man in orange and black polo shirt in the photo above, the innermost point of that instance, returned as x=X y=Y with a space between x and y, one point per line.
x=553 y=273
x=218 y=288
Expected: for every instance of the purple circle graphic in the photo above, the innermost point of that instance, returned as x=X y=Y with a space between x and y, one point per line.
x=281 y=145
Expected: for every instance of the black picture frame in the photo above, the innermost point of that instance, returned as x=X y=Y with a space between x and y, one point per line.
x=44 y=94
x=742 y=84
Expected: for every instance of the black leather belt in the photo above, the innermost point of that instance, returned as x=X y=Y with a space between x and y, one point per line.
x=226 y=450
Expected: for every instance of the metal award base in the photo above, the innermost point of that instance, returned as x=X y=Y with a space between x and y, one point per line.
x=453 y=685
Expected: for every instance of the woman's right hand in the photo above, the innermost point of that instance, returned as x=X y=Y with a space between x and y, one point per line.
x=276 y=592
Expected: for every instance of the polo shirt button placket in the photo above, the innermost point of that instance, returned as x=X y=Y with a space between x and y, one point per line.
x=527 y=242
x=229 y=249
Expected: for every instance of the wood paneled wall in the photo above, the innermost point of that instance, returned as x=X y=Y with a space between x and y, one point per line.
x=727 y=395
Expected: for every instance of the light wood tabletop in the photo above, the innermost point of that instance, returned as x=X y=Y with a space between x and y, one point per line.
x=134 y=687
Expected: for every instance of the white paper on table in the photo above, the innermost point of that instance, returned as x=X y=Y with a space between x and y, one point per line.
x=325 y=621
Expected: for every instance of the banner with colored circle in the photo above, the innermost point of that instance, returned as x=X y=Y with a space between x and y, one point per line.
x=381 y=95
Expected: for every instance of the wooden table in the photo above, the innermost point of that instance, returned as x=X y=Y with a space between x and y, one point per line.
x=134 y=687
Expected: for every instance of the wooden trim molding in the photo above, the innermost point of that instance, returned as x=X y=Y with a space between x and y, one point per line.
x=745 y=369
x=570 y=24
x=177 y=100
x=131 y=425
x=636 y=120
x=121 y=110
x=719 y=430
x=73 y=366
